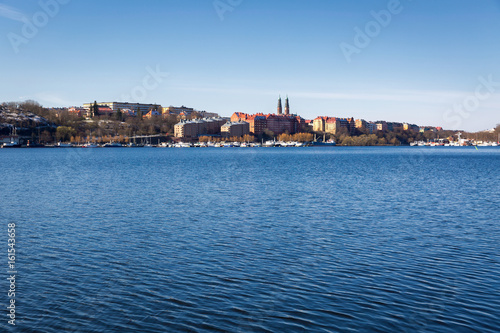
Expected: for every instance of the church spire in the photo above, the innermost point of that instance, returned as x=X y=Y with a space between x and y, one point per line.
x=287 y=106
x=280 y=107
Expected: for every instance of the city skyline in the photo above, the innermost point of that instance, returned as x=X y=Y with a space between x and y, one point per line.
x=405 y=61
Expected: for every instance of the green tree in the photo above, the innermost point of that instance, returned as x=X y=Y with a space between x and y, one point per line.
x=46 y=137
x=267 y=134
x=95 y=110
x=119 y=115
x=32 y=106
x=348 y=141
x=248 y=138
x=64 y=133
x=303 y=137
x=395 y=142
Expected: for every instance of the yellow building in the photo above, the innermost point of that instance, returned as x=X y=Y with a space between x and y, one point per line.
x=194 y=128
x=361 y=123
x=115 y=106
x=319 y=124
x=238 y=129
x=332 y=125
x=186 y=129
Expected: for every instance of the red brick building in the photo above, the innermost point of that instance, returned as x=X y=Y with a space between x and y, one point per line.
x=277 y=123
x=333 y=124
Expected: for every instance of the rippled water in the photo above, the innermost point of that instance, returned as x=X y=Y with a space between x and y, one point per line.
x=254 y=240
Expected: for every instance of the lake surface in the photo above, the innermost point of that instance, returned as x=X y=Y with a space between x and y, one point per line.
x=389 y=239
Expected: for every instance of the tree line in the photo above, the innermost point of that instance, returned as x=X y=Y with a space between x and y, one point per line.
x=62 y=125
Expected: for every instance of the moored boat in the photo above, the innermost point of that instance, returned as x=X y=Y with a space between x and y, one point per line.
x=11 y=145
x=113 y=145
x=183 y=145
x=329 y=143
x=270 y=144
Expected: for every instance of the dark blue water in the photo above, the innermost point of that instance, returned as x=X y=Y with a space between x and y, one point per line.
x=253 y=240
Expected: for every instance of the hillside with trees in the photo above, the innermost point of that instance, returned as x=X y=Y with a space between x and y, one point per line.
x=48 y=125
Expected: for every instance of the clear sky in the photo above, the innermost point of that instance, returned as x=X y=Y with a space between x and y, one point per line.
x=430 y=63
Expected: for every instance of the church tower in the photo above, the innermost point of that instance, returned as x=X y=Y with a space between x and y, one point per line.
x=287 y=106
x=280 y=107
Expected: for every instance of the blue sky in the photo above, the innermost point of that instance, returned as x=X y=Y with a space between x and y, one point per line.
x=426 y=64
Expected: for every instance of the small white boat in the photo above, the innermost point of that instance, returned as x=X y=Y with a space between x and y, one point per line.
x=329 y=143
x=112 y=145
x=183 y=145
x=270 y=144
x=11 y=145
